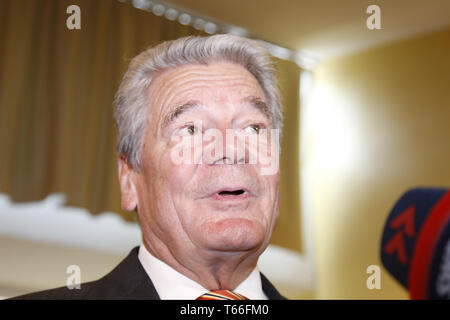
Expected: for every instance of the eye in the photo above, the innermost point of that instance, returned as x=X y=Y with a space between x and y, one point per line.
x=254 y=128
x=190 y=130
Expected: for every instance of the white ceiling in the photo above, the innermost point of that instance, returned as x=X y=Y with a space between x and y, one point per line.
x=324 y=28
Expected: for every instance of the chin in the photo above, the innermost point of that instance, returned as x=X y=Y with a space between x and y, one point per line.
x=234 y=234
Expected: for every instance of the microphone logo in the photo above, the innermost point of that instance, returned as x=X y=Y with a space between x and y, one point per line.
x=404 y=223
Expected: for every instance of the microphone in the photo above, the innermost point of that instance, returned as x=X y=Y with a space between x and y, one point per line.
x=415 y=246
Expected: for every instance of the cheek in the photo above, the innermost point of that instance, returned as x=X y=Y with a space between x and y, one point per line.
x=272 y=196
x=163 y=179
x=178 y=176
x=273 y=182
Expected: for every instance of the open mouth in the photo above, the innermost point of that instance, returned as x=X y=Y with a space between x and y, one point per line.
x=231 y=193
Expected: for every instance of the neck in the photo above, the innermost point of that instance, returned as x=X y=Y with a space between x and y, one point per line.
x=213 y=270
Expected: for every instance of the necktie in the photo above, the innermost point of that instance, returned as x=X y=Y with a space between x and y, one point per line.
x=222 y=295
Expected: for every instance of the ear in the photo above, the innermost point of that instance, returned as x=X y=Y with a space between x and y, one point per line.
x=127 y=184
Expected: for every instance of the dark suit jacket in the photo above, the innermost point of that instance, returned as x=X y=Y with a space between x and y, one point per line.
x=128 y=281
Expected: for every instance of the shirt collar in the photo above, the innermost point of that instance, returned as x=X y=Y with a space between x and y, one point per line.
x=172 y=285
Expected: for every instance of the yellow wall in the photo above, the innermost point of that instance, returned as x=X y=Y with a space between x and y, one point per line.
x=288 y=231
x=378 y=124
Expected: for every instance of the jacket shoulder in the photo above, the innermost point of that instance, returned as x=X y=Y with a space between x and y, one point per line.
x=127 y=281
x=61 y=293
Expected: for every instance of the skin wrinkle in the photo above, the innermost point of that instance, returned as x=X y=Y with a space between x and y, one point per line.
x=215 y=244
x=184 y=80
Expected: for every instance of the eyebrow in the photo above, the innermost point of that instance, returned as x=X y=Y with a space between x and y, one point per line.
x=178 y=110
x=259 y=104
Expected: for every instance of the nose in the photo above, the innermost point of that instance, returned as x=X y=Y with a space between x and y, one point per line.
x=223 y=147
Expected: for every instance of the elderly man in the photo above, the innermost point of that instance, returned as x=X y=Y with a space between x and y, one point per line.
x=187 y=112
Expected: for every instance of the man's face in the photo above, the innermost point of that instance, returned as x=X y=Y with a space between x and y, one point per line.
x=218 y=205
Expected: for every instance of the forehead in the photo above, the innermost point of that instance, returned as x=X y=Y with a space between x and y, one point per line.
x=216 y=80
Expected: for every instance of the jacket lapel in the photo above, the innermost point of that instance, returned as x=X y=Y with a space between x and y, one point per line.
x=129 y=280
x=269 y=289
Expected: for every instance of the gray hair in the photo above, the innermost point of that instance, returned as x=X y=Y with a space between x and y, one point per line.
x=132 y=98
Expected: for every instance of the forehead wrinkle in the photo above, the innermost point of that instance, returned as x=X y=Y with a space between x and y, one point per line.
x=171 y=110
x=162 y=92
x=188 y=88
x=178 y=81
x=209 y=80
x=186 y=84
x=187 y=71
x=183 y=74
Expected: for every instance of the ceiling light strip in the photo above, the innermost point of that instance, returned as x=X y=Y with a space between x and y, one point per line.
x=203 y=23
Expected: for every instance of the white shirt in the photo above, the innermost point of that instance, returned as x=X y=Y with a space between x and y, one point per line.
x=172 y=285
